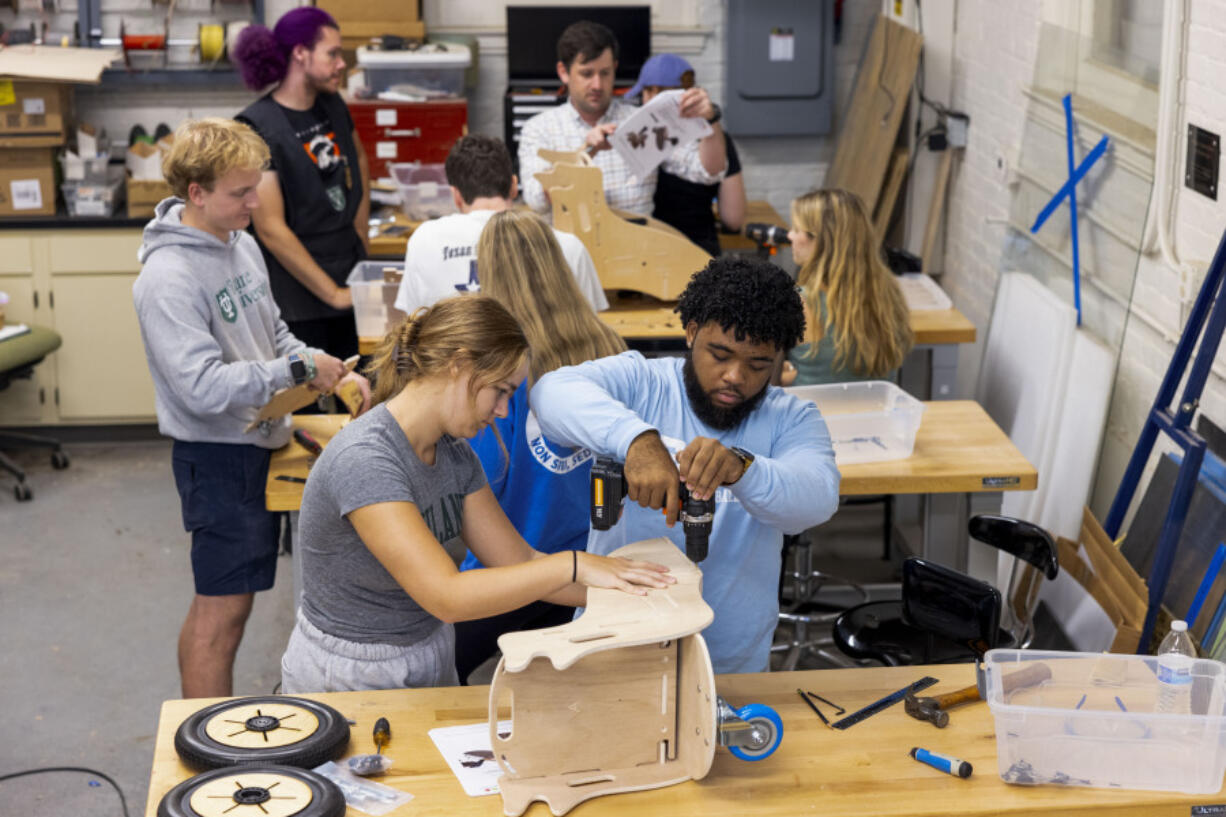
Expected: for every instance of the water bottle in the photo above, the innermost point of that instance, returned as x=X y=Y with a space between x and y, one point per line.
x=1175 y=657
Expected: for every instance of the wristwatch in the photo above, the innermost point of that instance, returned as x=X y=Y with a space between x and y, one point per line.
x=301 y=368
x=746 y=459
x=715 y=117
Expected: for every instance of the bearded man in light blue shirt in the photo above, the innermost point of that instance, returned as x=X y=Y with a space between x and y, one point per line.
x=712 y=421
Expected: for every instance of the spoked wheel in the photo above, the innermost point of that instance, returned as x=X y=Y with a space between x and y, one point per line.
x=267 y=729
x=768 y=731
x=254 y=791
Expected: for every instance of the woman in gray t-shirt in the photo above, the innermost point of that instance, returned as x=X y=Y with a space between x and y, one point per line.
x=396 y=489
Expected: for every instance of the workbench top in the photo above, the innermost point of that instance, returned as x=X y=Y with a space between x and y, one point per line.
x=864 y=770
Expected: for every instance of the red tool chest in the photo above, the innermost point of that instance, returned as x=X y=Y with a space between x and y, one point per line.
x=407 y=131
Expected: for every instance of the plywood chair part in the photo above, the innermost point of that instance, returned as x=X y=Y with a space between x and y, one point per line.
x=621 y=699
x=641 y=258
x=870 y=129
x=287 y=401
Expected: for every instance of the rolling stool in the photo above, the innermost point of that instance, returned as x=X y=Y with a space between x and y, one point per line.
x=928 y=625
x=800 y=607
x=18 y=357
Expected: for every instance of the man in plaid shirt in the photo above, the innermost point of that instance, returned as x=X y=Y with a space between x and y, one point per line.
x=587 y=61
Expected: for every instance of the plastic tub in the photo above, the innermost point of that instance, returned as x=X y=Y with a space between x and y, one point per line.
x=869 y=421
x=1093 y=724
x=94 y=198
x=374 y=294
x=424 y=192
x=921 y=293
x=434 y=70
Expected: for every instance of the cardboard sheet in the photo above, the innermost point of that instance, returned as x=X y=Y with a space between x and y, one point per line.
x=57 y=64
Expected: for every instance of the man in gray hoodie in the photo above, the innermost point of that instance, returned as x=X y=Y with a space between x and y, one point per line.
x=218 y=350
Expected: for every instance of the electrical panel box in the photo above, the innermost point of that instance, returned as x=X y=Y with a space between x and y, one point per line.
x=780 y=67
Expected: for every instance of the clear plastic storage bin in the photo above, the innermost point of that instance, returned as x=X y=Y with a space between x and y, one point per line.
x=1093 y=724
x=921 y=293
x=869 y=421
x=424 y=192
x=94 y=198
x=434 y=70
x=374 y=296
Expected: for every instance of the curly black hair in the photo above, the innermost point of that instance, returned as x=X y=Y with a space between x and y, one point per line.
x=753 y=297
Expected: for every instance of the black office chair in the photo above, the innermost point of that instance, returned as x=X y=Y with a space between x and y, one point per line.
x=810 y=601
x=18 y=357
x=946 y=616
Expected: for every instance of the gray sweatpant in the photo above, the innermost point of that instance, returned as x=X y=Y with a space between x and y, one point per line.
x=317 y=662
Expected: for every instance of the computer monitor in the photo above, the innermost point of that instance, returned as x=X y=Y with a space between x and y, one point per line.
x=533 y=31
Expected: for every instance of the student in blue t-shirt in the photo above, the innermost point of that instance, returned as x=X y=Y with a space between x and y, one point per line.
x=542 y=486
x=710 y=419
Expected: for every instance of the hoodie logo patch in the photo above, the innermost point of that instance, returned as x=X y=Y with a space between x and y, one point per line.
x=226 y=304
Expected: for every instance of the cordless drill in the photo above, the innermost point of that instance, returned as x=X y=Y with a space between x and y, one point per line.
x=609 y=489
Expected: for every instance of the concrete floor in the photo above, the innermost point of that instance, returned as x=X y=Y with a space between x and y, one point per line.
x=94 y=583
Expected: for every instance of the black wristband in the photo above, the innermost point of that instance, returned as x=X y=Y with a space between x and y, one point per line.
x=574 y=569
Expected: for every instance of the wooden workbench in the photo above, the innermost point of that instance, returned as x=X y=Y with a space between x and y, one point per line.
x=958 y=449
x=393 y=246
x=864 y=770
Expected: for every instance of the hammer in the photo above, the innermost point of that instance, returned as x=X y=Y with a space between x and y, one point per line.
x=933 y=709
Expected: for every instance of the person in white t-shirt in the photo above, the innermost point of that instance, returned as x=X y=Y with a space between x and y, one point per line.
x=441 y=258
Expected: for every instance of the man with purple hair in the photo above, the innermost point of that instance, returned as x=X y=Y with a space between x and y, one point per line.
x=312 y=221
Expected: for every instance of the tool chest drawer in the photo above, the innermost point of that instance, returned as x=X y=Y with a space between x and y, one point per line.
x=407 y=131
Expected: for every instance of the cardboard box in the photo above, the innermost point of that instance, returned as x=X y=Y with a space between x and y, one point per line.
x=27 y=182
x=361 y=20
x=33 y=114
x=143 y=196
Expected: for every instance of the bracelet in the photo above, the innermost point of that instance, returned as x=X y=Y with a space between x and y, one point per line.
x=574 y=569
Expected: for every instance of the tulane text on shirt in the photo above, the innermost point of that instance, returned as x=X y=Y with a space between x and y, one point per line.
x=248 y=294
x=456 y=252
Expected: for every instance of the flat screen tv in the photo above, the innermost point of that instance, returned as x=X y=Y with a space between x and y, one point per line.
x=533 y=31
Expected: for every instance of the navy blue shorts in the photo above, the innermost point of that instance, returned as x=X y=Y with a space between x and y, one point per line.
x=234 y=538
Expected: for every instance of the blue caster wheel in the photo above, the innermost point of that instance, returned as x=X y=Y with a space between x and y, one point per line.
x=769 y=728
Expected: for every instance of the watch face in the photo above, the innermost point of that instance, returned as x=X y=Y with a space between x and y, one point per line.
x=298 y=369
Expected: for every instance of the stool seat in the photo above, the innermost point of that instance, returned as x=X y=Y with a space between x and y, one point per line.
x=28 y=348
x=18 y=356
x=876 y=631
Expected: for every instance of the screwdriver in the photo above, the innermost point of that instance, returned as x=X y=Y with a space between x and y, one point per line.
x=383 y=735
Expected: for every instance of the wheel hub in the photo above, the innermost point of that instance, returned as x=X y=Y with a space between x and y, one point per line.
x=263 y=723
x=252 y=796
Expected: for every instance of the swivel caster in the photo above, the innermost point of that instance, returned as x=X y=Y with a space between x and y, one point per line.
x=752 y=732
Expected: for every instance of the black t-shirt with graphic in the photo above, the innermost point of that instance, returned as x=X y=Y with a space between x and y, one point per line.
x=314 y=130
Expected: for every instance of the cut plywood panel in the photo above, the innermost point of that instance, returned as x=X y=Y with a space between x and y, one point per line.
x=889 y=195
x=866 y=141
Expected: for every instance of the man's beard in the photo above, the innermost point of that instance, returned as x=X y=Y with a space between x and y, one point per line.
x=704 y=407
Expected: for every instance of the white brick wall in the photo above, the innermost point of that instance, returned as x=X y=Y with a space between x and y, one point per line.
x=995 y=52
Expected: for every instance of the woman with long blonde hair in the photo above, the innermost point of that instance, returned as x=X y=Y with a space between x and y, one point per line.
x=542 y=486
x=857 y=325
x=399 y=487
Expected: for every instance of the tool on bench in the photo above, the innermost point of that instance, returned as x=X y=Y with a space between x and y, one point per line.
x=810 y=697
x=883 y=703
x=609 y=489
x=308 y=442
x=378 y=762
x=288 y=478
x=935 y=709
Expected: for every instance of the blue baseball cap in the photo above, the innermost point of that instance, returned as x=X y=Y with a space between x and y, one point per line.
x=662 y=70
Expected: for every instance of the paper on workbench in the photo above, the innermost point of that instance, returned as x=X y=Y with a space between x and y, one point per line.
x=654 y=131
x=468 y=752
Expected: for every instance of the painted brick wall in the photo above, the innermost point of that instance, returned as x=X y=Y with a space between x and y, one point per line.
x=995 y=51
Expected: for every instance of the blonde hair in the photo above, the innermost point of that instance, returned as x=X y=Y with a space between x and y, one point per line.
x=472 y=331
x=520 y=264
x=865 y=310
x=204 y=150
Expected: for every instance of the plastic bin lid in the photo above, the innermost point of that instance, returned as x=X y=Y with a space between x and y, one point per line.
x=431 y=55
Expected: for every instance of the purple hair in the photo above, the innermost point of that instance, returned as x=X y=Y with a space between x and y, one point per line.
x=263 y=54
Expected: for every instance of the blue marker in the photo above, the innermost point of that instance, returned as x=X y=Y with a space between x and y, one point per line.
x=944 y=763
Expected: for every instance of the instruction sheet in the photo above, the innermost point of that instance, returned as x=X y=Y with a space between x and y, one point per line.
x=468 y=752
x=655 y=130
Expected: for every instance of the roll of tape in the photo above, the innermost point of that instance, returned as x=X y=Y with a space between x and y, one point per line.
x=232 y=32
x=212 y=42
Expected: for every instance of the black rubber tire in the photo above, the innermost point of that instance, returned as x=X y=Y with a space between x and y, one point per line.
x=59 y=460
x=22 y=492
x=200 y=751
x=326 y=801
